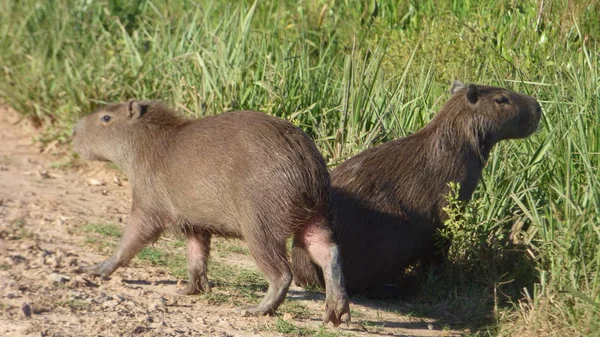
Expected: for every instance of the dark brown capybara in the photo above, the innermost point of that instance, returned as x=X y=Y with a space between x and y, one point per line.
x=240 y=175
x=388 y=201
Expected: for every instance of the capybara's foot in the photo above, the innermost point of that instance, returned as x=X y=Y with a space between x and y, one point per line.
x=102 y=269
x=337 y=310
x=256 y=311
x=194 y=288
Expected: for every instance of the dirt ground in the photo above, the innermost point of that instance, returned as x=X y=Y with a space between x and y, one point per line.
x=47 y=202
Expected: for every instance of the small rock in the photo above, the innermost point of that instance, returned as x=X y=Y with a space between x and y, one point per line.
x=357 y=326
x=104 y=192
x=161 y=304
x=44 y=174
x=109 y=304
x=139 y=329
x=95 y=182
x=15 y=259
x=58 y=278
x=12 y=295
x=3 y=168
x=430 y=326
x=117 y=181
x=54 y=261
x=60 y=220
x=28 y=246
x=26 y=309
x=224 y=324
x=80 y=281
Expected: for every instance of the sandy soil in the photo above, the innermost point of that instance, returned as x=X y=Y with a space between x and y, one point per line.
x=46 y=200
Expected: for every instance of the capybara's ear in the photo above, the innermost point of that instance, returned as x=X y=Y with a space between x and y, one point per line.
x=472 y=94
x=456 y=86
x=135 y=109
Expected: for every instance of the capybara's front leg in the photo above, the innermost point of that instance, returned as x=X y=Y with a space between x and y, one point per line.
x=138 y=233
x=317 y=239
x=198 y=248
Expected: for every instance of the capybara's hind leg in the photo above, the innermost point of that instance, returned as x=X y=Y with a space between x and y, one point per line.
x=270 y=256
x=317 y=239
x=138 y=233
x=198 y=248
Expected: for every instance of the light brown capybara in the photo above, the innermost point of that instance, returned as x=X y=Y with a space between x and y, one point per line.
x=240 y=175
x=388 y=201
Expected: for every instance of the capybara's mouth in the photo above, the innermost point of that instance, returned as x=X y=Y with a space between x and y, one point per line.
x=81 y=150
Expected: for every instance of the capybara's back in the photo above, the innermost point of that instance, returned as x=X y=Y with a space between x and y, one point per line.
x=240 y=174
x=388 y=201
x=246 y=164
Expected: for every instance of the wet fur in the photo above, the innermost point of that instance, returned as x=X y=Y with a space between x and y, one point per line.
x=388 y=200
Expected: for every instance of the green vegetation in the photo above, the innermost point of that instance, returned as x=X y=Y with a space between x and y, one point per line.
x=287 y=328
x=353 y=74
x=106 y=230
x=296 y=309
x=74 y=304
x=290 y=329
x=233 y=284
x=21 y=230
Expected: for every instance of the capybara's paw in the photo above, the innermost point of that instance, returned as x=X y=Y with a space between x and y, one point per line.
x=337 y=311
x=102 y=269
x=194 y=289
x=255 y=311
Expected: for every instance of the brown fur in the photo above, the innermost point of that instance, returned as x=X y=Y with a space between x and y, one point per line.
x=388 y=200
x=241 y=174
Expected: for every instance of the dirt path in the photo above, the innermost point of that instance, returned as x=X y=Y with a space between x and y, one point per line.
x=58 y=216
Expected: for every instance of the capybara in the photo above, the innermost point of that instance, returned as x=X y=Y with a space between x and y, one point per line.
x=240 y=175
x=388 y=201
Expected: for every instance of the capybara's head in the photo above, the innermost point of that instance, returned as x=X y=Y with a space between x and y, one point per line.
x=111 y=132
x=501 y=113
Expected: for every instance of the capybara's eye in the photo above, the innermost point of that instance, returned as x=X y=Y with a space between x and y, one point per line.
x=106 y=118
x=501 y=100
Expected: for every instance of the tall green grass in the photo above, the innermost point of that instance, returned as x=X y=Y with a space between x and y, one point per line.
x=353 y=74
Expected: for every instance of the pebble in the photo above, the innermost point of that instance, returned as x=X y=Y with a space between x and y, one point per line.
x=109 y=304
x=161 y=304
x=95 y=182
x=58 y=278
x=224 y=324
x=147 y=319
x=54 y=261
x=15 y=259
x=139 y=329
x=26 y=310
x=12 y=295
